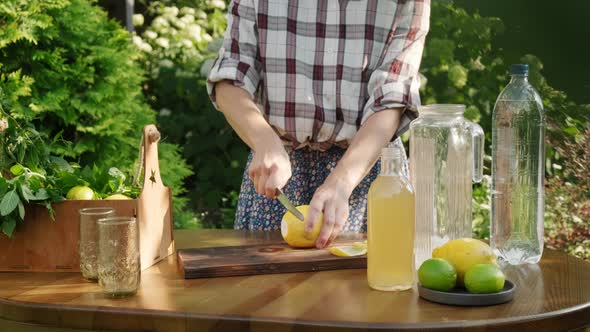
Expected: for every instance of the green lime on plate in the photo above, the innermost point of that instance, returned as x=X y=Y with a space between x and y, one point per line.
x=437 y=274
x=484 y=279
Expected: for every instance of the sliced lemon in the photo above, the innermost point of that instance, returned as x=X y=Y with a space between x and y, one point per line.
x=360 y=245
x=348 y=251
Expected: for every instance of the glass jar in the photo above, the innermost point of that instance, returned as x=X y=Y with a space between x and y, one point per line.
x=446 y=155
x=88 y=245
x=118 y=256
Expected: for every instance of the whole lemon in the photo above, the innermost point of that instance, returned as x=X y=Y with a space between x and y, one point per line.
x=465 y=253
x=293 y=229
x=484 y=279
x=80 y=193
x=118 y=197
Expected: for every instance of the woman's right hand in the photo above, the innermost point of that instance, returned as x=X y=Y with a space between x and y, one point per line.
x=270 y=168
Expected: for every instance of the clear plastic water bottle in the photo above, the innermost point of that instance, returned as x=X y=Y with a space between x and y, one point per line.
x=518 y=170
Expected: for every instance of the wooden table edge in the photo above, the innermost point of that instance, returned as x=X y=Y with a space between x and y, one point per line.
x=15 y=310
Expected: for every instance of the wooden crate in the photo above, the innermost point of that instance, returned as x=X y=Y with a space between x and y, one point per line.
x=41 y=244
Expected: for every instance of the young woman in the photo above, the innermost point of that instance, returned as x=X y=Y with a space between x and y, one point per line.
x=316 y=88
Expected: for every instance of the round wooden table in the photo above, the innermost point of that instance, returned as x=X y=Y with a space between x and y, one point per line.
x=551 y=296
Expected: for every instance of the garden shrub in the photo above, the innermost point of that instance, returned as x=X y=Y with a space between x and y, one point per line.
x=70 y=74
x=567 y=216
x=175 y=43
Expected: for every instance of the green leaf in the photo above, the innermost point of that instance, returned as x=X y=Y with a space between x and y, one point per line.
x=41 y=195
x=8 y=226
x=27 y=193
x=9 y=203
x=62 y=164
x=20 y=152
x=3 y=187
x=49 y=208
x=21 y=210
x=572 y=131
x=115 y=172
x=17 y=169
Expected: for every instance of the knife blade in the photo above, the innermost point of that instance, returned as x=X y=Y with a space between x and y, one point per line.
x=288 y=205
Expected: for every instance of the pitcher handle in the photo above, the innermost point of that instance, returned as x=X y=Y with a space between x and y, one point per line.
x=478 y=150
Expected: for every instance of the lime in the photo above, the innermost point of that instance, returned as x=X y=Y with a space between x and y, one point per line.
x=484 y=279
x=437 y=274
x=80 y=193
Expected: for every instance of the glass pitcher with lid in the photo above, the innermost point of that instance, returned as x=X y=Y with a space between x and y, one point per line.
x=446 y=155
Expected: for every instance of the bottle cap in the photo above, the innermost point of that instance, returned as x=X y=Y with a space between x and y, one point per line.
x=519 y=69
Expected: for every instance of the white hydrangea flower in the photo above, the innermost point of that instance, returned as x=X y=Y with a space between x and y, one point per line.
x=220 y=4
x=207 y=37
x=188 y=19
x=186 y=43
x=150 y=34
x=137 y=40
x=179 y=24
x=160 y=22
x=163 y=42
x=165 y=112
x=171 y=11
x=166 y=63
x=187 y=11
x=194 y=30
x=138 y=20
x=146 y=47
x=201 y=15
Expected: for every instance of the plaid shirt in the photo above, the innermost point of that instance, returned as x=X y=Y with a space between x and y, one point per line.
x=319 y=68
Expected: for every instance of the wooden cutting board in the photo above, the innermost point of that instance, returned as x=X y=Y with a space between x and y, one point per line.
x=261 y=259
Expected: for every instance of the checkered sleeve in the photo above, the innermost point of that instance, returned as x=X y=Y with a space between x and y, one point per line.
x=395 y=82
x=237 y=59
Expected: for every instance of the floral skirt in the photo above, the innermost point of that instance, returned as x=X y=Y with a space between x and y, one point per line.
x=309 y=170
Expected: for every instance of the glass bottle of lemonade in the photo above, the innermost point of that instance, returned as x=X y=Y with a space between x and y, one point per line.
x=390 y=256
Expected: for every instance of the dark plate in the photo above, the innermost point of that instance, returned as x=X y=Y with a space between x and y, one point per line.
x=462 y=298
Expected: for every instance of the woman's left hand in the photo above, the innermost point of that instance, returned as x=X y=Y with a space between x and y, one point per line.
x=331 y=198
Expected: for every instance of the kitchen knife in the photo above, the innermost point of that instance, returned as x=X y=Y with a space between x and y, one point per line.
x=288 y=205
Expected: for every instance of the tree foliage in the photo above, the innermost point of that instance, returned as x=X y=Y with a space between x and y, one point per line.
x=70 y=74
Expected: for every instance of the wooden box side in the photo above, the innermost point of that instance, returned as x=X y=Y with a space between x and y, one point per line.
x=41 y=244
